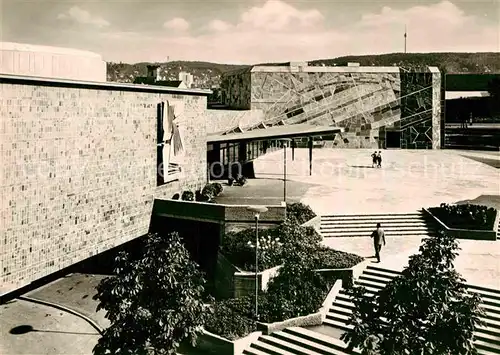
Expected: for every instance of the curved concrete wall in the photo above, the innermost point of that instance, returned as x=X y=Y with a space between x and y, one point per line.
x=51 y=62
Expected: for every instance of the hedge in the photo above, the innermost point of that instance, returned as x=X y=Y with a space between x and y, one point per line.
x=466 y=216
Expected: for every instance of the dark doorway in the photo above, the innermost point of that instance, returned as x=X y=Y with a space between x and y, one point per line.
x=393 y=139
x=201 y=239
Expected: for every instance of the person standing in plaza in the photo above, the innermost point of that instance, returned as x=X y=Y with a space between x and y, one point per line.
x=379 y=159
x=378 y=236
x=374 y=159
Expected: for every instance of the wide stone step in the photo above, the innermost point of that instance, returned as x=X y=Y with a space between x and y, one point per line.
x=354 y=234
x=306 y=344
x=338 y=324
x=254 y=351
x=268 y=348
x=487 y=337
x=369 y=229
x=370 y=283
x=285 y=345
x=373 y=216
x=379 y=275
x=382 y=270
x=319 y=338
x=485 y=345
x=375 y=278
x=393 y=223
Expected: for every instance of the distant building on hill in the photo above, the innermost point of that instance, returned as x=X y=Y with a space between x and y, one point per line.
x=153 y=78
x=187 y=78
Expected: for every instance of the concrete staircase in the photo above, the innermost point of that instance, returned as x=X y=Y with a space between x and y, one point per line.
x=297 y=341
x=396 y=224
x=375 y=278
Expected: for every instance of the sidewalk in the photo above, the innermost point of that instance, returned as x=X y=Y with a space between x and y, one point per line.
x=56 y=332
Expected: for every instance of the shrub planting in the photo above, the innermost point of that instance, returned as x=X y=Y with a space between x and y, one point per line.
x=465 y=216
x=327 y=258
x=187 y=196
x=229 y=319
x=299 y=212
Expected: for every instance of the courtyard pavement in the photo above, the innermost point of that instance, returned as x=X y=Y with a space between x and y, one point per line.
x=345 y=182
x=55 y=332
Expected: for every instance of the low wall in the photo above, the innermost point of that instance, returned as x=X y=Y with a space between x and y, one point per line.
x=315 y=223
x=327 y=303
x=216 y=213
x=303 y=321
x=465 y=233
x=215 y=344
x=347 y=275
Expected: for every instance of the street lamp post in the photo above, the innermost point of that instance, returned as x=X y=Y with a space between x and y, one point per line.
x=257 y=210
x=284 y=140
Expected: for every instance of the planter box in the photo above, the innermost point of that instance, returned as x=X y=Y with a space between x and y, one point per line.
x=315 y=223
x=466 y=233
x=232 y=282
x=303 y=321
x=347 y=275
x=215 y=344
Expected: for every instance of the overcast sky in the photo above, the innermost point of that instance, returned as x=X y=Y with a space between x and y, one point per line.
x=251 y=31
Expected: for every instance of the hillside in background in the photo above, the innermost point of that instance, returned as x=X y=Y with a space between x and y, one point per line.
x=208 y=74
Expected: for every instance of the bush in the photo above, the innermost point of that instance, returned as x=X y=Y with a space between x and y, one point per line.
x=275 y=245
x=228 y=319
x=241 y=180
x=465 y=216
x=239 y=249
x=176 y=197
x=187 y=196
x=218 y=188
x=230 y=181
x=326 y=258
x=296 y=291
x=299 y=212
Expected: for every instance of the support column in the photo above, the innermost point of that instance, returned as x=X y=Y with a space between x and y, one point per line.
x=310 y=144
x=293 y=149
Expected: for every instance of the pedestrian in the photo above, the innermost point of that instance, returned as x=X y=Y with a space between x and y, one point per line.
x=374 y=159
x=379 y=159
x=378 y=236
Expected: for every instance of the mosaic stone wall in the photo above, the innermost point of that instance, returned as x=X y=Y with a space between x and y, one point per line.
x=78 y=172
x=237 y=89
x=365 y=102
x=219 y=121
x=417 y=109
x=358 y=102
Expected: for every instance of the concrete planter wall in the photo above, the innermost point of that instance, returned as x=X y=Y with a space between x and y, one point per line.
x=303 y=321
x=315 y=223
x=215 y=344
x=466 y=233
x=347 y=275
x=242 y=282
x=327 y=303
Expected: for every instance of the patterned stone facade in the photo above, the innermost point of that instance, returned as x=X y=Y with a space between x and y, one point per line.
x=219 y=121
x=79 y=171
x=365 y=101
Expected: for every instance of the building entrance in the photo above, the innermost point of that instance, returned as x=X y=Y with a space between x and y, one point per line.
x=393 y=139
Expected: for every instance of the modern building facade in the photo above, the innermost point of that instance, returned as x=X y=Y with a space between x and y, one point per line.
x=376 y=106
x=83 y=163
x=51 y=62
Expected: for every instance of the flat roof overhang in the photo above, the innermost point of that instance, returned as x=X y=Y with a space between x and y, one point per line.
x=276 y=132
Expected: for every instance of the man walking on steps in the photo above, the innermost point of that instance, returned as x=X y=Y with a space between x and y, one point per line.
x=378 y=236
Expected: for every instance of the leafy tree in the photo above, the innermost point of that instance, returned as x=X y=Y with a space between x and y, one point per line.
x=297 y=290
x=153 y=303
x=426 y=310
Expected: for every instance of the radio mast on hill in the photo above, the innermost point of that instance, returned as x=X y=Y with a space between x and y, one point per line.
x=405 y=39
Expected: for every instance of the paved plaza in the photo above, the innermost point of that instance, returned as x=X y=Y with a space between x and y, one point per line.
x=345 y=182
